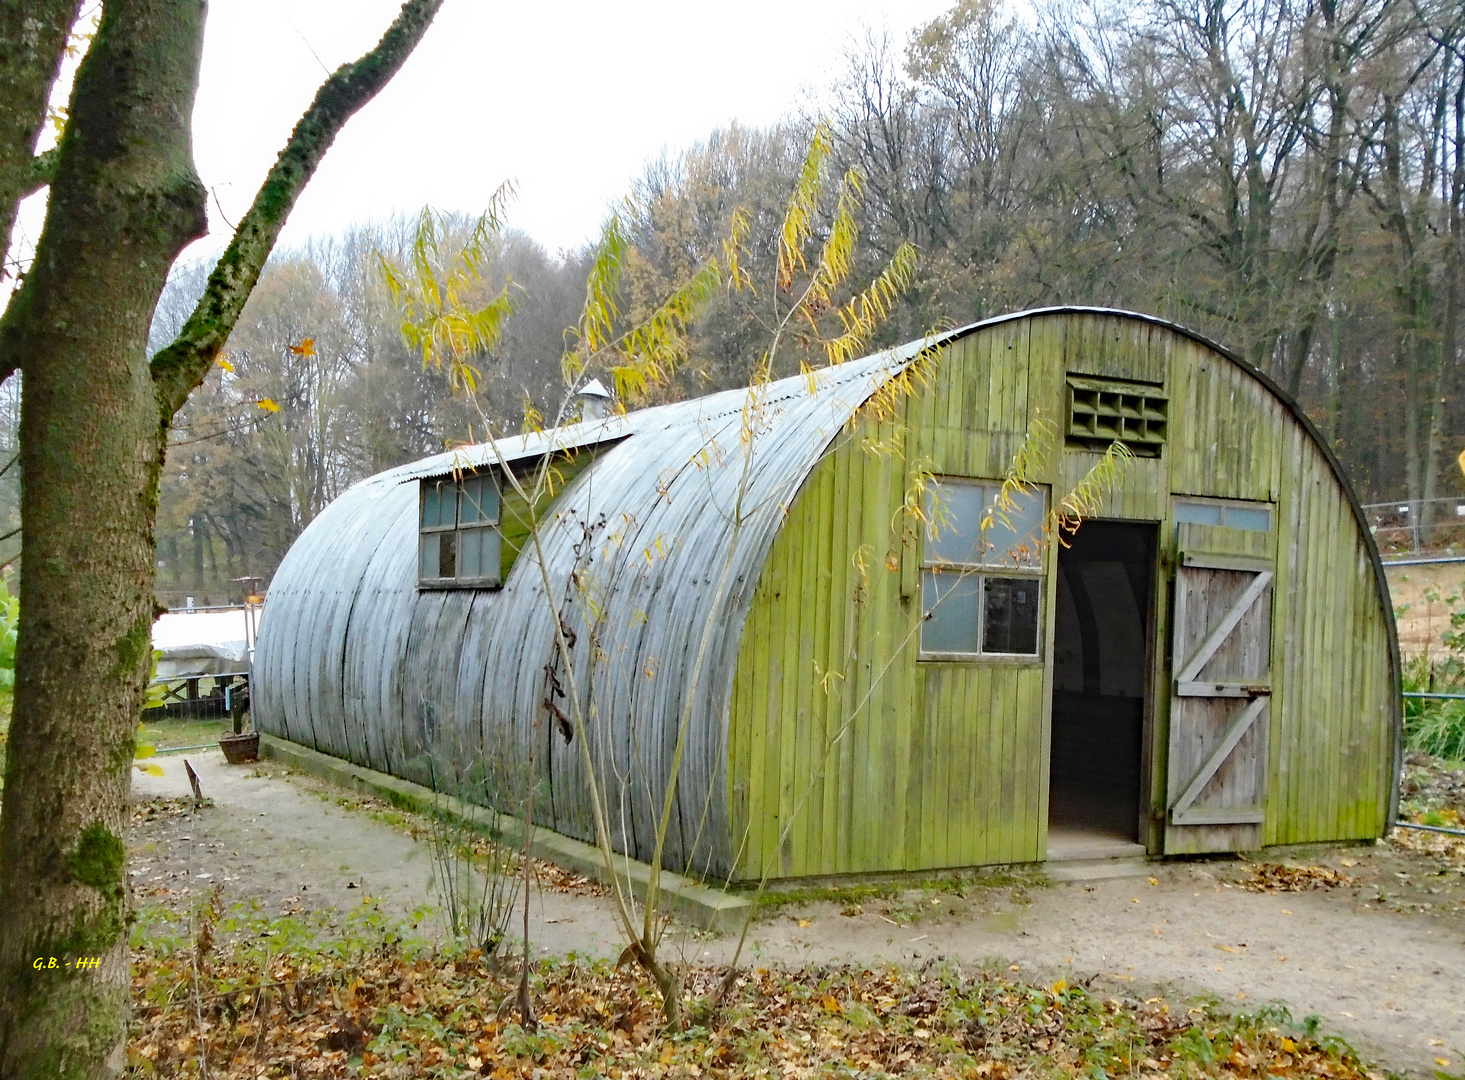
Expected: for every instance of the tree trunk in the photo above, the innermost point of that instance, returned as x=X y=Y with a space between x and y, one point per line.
x=1439 y=387
x=32 y=45
x=1451 y=285
x=1335 y=384
x=124 y=202
x=195 y=529
x=1413 y=441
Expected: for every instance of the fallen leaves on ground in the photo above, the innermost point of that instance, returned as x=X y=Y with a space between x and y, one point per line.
x=159 y=808
x=1441 y=846
x=1278 y=877
x=300 y=997
x=1432 y=793
x=1429 y=784
x=548 y=875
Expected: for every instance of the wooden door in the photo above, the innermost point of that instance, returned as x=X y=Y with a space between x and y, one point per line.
x=1220 y=699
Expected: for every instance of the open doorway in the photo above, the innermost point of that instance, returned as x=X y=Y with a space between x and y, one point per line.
x=1101 y=669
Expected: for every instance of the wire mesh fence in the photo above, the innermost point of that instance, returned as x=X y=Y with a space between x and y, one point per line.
x=1417 y=526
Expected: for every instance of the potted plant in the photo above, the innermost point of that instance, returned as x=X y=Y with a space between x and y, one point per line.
x=239 y=746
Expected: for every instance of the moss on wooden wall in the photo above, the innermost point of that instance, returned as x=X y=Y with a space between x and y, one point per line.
x=847 y=754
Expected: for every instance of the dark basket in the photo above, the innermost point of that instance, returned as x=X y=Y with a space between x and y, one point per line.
x=240 y=748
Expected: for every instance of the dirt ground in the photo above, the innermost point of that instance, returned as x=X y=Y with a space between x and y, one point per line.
x=1378 y=956
x=1422 y=622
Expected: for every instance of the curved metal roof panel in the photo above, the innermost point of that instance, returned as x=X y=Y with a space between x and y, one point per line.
x=357 y=661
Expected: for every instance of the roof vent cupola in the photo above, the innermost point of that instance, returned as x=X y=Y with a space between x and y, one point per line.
x=594 y=400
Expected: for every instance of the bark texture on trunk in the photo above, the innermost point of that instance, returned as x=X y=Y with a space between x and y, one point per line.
x=124 y=201
x=32 y=45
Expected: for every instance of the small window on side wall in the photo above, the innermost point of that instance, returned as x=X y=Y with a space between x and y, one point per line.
x=1229 y=513
x=982 y=585
x=459 y=533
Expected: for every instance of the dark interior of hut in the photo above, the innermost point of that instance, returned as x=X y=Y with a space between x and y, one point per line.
x=1101 y=668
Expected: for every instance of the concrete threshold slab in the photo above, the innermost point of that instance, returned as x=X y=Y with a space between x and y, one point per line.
x=696 y=904
x=1097 y=869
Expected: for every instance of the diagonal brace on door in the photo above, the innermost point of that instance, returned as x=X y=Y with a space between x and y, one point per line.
x=1237 y=728
x=1224 y=627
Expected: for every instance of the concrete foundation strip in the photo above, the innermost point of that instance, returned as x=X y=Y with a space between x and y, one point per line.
x=698 y=905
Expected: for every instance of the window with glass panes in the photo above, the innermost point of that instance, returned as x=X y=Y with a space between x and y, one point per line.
x=982 y=574
x=459 y=534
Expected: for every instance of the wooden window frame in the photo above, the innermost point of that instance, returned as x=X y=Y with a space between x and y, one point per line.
x=980 y=572
x=457 y=529
x=1246 y=506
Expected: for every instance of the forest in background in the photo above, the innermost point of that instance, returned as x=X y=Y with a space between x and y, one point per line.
x=1284 y=177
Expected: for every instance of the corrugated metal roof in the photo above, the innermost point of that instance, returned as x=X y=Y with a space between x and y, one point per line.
x=356 y=661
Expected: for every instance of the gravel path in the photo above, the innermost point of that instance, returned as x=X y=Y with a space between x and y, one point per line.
x=291 y=843
x=1379 y=959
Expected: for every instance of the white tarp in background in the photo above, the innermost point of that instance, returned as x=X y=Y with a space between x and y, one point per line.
x=201 y=643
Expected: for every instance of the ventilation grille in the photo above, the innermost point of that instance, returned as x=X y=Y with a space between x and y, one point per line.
x=1103 y=411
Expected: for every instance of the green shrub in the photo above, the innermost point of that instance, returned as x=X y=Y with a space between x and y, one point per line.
x=1434 y=726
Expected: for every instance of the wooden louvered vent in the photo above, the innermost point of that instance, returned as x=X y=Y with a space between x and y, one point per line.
x=1103 y=411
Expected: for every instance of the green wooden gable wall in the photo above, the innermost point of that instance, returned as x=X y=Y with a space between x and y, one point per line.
x=847 y=754
x=514 y=508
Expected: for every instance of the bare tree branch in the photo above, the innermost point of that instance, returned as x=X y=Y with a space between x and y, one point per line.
x=32 y=45
x=181 y=366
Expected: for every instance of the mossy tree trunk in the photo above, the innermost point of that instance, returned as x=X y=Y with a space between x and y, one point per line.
x=124 y=201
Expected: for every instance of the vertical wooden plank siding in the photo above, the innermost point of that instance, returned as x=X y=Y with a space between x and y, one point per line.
x=820 y=742
x=947 y=764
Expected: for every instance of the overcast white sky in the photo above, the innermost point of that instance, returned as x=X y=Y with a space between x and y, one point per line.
x=567 y=99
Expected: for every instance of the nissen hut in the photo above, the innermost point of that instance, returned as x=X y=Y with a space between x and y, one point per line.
x=1207 y=664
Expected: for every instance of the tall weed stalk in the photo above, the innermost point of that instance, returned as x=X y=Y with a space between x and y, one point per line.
x=809 y=304
x=475 y=873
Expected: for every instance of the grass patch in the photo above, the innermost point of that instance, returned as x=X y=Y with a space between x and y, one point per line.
x=959 y=885
x=417 y=826
x=907 y=901
x=1433 y=727
x=167 y=732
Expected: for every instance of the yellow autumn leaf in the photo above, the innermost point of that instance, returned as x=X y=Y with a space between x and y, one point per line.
x=144 y=751
x=152 y=768
x=831 y=1004
x=268 y=404
x=1060 y=986
x=305 y=348
x=224 y=363
x=1288 y=1046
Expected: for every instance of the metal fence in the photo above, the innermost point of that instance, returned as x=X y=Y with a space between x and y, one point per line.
x=197 y=697
x=1401 y=526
